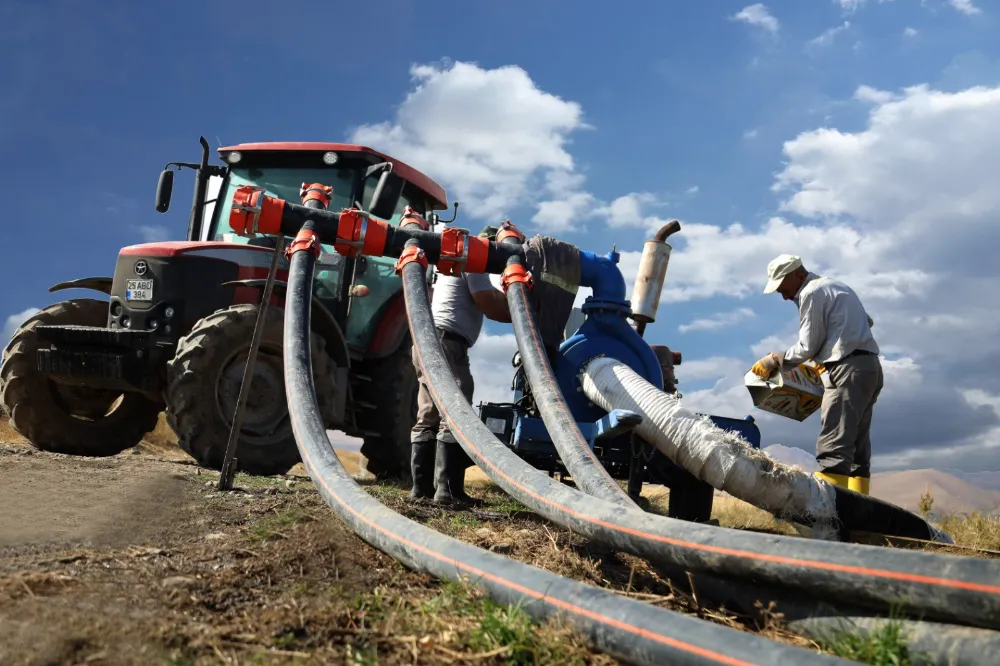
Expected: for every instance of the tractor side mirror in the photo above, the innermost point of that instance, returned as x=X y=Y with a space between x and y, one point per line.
x=386 y=195
x=164 y=188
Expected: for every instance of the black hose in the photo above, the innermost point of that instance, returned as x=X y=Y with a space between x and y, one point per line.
x=947 y=587
x=587 y=471
x=629 y=629
x=929 y=643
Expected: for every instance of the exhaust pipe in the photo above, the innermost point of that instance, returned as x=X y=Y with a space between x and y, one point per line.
x=650 y=278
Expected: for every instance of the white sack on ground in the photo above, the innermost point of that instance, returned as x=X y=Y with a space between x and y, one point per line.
x=722 y=459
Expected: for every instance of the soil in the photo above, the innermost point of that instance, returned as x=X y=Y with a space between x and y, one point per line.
x=138 y=559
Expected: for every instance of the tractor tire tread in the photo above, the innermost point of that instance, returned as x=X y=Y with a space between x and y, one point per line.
x=192 y=378
x=26 y=394
x=393 y=392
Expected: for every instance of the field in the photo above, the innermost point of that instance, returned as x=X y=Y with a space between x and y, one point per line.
x=137 y=559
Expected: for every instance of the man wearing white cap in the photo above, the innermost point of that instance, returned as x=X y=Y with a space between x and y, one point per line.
x=835 y=332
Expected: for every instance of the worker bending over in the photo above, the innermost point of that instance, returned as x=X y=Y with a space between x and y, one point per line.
x=458 y=304
x=835 y=332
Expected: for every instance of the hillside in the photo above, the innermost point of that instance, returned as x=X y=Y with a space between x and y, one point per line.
x=951 y=494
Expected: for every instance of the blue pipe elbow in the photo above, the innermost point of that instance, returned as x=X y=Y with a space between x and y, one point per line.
x=603 y=276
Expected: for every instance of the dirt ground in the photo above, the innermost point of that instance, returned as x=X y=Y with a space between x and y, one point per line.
x=138 y=559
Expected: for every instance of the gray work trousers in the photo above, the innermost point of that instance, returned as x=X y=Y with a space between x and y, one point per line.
x=844 y=445
x=430 y=425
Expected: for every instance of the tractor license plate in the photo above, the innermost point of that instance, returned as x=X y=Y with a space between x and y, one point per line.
x=138 y=290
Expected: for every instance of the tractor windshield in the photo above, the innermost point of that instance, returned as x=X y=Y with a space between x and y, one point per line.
x=377 y=273
x=282 y=183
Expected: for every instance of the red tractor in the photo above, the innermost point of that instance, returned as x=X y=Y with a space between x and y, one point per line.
x=90 y=376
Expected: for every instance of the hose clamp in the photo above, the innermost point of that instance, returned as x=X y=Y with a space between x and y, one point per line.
x=353 y=222
x=246 y=208
x=408 y=256
x=516 y=273
x=508 y=230
x=454 y=251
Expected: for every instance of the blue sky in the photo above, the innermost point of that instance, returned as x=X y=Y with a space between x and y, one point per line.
x=610 y=118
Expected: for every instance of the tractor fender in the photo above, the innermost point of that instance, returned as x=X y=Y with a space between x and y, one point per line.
x=323 y=321
x=102 y=284
x=393 y=327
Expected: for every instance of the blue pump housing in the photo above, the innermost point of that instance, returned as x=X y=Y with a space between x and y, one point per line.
x=604 y=332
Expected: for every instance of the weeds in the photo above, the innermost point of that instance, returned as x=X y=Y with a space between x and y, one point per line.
x=882 y=646
x=276 y=525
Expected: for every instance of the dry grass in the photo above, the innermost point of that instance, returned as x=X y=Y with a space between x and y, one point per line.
x=974 y=530
x=728 y=510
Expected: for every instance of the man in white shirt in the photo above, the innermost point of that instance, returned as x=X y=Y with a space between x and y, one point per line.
x=835 y=332
x=458 y=305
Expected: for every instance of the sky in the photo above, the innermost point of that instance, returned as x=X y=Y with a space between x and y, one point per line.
x=860 y=135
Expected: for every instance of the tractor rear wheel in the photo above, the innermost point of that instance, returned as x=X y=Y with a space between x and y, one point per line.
x=385 y=403
x=203 y=386
x=63 y=418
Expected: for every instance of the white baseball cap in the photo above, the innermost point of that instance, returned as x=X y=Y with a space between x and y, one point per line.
x=779 y=267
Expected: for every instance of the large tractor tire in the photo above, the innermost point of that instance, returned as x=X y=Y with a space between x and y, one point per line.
x=203 y=386
x=385 y=399
x=61 y=418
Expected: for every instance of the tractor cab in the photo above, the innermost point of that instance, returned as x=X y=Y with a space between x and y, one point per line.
x=280 y=169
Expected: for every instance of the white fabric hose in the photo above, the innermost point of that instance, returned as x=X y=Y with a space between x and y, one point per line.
x=722 y=459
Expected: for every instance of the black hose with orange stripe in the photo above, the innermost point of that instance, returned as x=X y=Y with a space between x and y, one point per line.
x=934 y=586
x=574 y=451
x=631 y=630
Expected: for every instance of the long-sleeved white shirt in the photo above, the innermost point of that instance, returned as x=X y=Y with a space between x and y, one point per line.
x=832 y=323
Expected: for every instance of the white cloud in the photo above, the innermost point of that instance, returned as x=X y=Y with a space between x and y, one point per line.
x=965 y=7
x=758 y=16
x=718 y=321
x=14 y=321
x=827 y=37
x=153 y=233
x=750 y=134
x=910 y=32
x=873 y=95
x=491 y=136
x=490 y=360
x=691 y=190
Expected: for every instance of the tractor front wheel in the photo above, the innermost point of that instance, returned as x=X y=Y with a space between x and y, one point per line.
x=62 y=418
x=203 y=385
x=385 y=403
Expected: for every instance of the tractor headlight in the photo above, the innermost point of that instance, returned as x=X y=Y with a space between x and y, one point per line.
x=234 y=157
x=330 y=159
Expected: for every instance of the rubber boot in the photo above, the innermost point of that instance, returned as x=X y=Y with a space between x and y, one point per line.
x=859 y=484
x=422 y=469
x=442 y=476
x=456 y=476
x=834 y=479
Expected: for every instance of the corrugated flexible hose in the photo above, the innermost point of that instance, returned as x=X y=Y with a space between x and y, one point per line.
x=728 y=463
x=631 y=630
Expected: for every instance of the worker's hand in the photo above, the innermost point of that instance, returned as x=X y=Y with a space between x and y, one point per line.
x=767 y=366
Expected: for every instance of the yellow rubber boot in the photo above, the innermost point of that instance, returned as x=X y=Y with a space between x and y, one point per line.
x=859 y=484
x=835 y=479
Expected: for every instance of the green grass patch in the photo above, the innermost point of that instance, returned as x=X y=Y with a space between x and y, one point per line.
x=882 y=646
x=277 y=525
